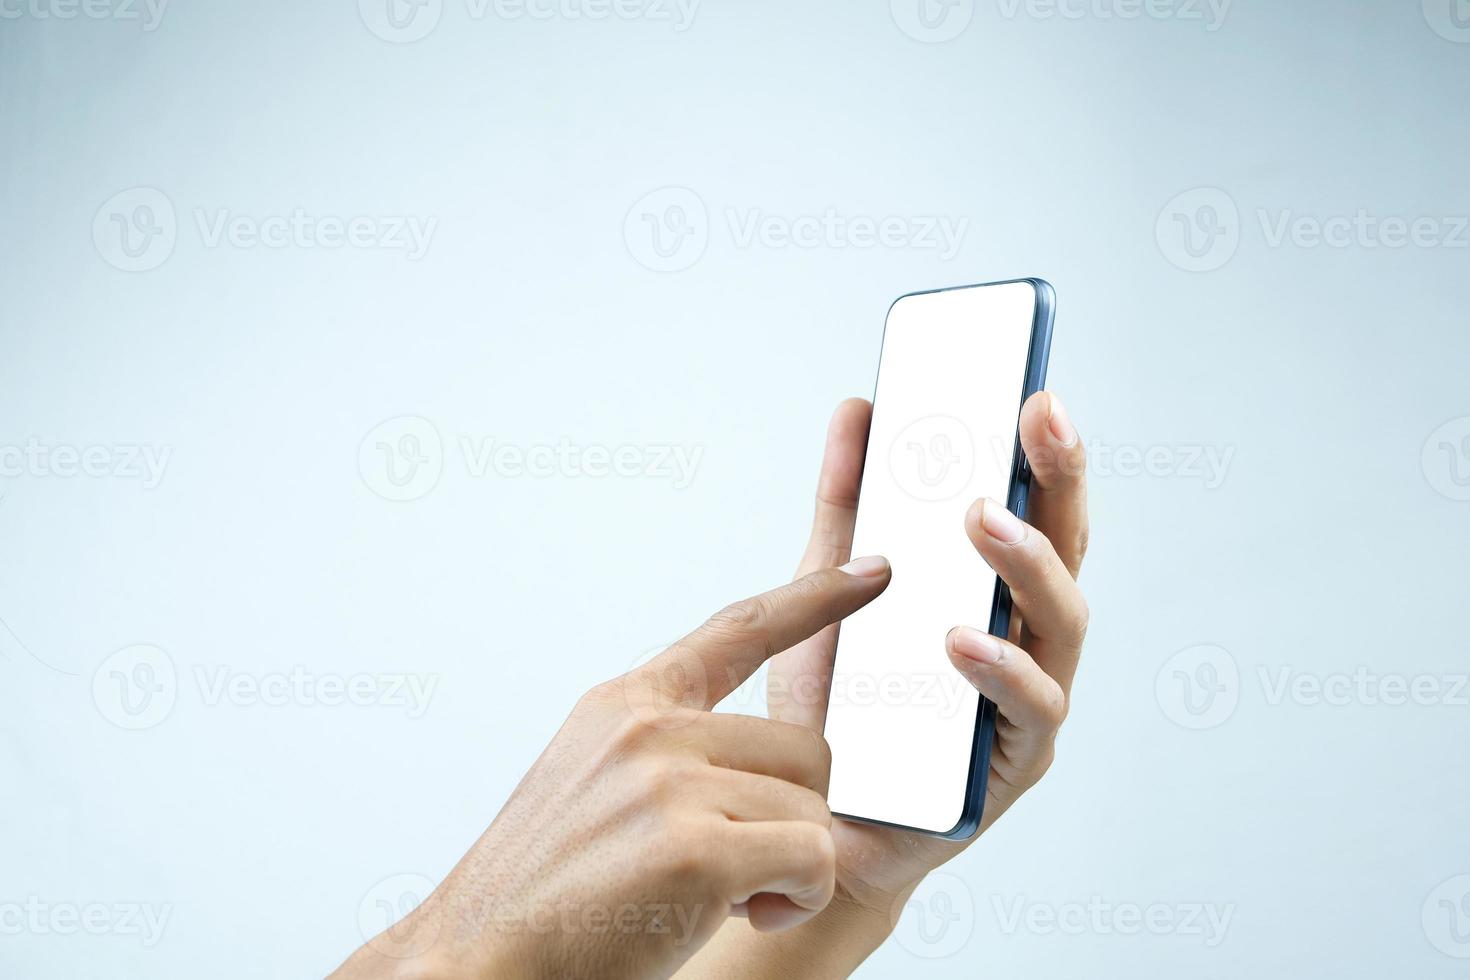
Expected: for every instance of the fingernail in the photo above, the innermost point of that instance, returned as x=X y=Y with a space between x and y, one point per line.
x=977 y=646
x=1000 y=523
x=866 y=567
x=1060 y=422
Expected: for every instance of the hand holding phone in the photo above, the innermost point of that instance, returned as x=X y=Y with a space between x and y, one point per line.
x=879 y=866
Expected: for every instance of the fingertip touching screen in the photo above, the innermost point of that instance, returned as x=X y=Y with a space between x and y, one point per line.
x=901 y=720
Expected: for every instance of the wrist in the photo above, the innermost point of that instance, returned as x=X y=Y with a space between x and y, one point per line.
x=833 y=943
x=859 y=923
x=418 y=949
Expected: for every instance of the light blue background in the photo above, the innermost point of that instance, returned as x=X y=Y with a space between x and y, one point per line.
x=1333 y=542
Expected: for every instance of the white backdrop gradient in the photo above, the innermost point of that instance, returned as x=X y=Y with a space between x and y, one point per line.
x=481 y=348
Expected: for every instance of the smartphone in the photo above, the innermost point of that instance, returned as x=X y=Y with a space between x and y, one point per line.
x=910 y=736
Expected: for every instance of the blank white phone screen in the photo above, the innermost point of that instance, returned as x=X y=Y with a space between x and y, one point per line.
x=901 y=720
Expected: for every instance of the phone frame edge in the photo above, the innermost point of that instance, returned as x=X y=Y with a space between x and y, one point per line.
x=1038 y=357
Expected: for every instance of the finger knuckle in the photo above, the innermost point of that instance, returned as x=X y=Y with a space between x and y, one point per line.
x=825 y=546
x=819 y=758
x=1072 y=462
x=812 y=807
x=662 y=785
x=1045 y=756
x=1078 y=621
x=671 y=683
x=738 y=620
x=1054 y=706
x=598 y=697
x=634 y=733
x=684 y=849
x=821 y=755
x=811 y=587
x=821 y=853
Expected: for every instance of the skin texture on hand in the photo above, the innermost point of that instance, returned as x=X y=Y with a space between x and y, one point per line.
x=1028 y=676
x=649 y=819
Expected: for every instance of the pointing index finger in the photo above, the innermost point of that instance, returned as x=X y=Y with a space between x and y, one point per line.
x=718 y=657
